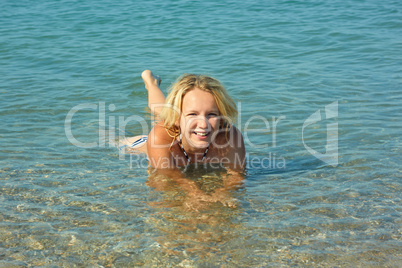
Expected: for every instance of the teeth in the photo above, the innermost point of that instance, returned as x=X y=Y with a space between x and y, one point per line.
x=201 y=133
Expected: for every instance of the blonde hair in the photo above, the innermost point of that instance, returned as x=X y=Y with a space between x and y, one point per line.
x=170 y=114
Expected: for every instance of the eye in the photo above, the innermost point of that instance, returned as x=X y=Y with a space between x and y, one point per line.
x=212 y=115
x=192 y=114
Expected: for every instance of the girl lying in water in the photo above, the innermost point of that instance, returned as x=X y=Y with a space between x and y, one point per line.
x=196 y=125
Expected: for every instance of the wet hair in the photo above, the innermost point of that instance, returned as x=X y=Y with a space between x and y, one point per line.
x=171 y=112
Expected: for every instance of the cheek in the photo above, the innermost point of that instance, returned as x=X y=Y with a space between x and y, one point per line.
x=186 y=123
x=182 y=122
x=214 y=122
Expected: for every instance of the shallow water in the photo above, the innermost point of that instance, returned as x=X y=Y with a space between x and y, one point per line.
x=63 y=205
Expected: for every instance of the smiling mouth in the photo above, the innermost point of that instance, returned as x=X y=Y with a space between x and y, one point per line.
x=201 y=134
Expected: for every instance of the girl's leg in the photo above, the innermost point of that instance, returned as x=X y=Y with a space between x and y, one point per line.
x=156 y=99
x=134 y=144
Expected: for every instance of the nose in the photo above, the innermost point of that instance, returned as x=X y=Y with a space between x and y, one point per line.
x=202 y=122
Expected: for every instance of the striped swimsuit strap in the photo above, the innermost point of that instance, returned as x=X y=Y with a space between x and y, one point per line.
x=185 y=154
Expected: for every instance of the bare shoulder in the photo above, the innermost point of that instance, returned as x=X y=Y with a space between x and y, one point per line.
x=238 y=153
x=237 y=141
x=238 y=137
x=232 y=137
x=159 y=135
x=158 y=147
x=232 y=147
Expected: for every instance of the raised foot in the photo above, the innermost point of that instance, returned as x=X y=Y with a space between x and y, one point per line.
x=150 y=79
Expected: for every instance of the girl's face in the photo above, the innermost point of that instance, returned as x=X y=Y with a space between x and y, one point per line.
x=199 y=120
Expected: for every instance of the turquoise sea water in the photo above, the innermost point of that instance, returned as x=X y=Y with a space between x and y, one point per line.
x=282 y=61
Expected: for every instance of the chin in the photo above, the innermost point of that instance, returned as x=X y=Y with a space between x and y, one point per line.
x=200 y=143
